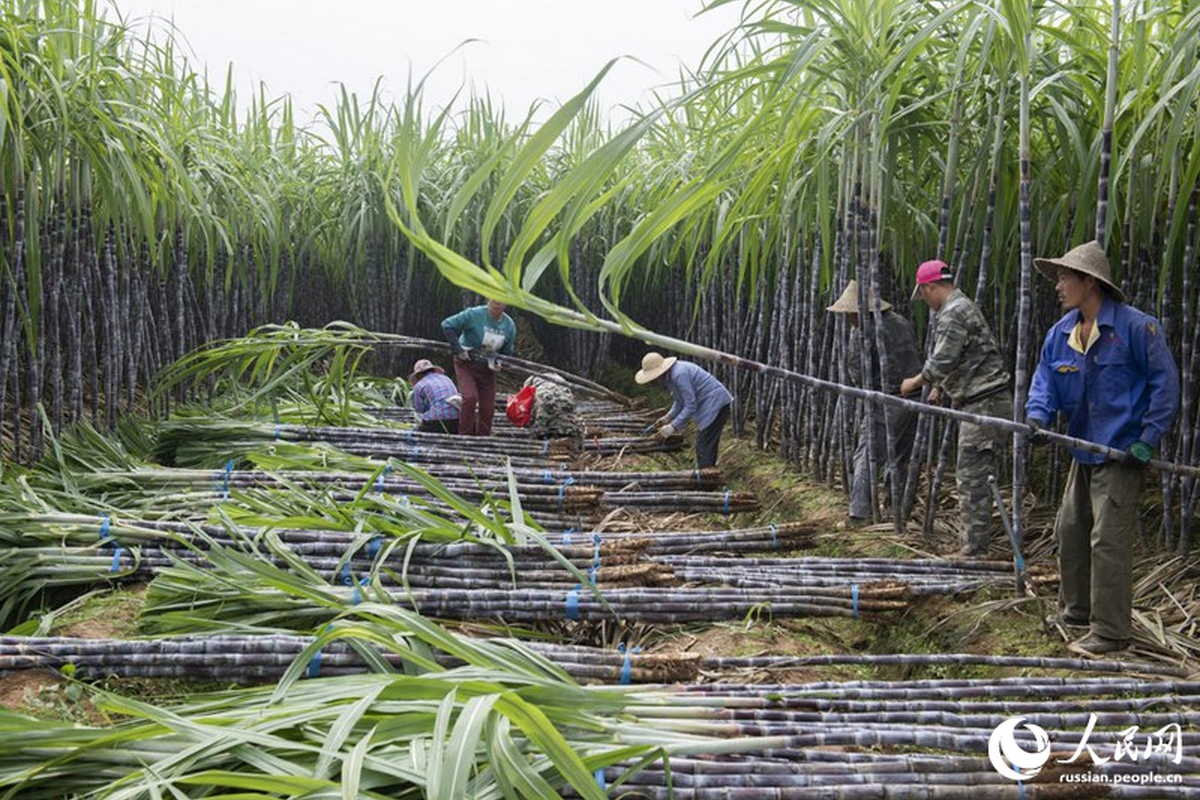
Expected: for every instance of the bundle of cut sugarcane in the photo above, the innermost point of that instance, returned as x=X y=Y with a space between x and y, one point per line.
x=265 y=657
x=581 y=488
x=566 y=494
x=594 y=423
x=85 y=566
x=522 y=606
x=727 y=502
x=783 y=536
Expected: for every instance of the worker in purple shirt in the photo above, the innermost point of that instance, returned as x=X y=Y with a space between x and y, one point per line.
x=432 y=398
x=696 y=395
x=1107 y=368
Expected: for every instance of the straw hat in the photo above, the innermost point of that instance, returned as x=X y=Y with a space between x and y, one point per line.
x=653 y=365
x=848 y=302
x=423 y=366
x=1088 y=259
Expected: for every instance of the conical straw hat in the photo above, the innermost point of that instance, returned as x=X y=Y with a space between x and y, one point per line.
x=1088 y=259
x=653 y=365
x=848 y=302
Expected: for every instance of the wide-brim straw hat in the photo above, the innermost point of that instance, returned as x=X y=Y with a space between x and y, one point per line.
x=1088 y=259
x=423 y=366
x=848 y=302
x=653 y=365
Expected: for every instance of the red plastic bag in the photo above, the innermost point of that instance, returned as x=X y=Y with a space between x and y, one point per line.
x=520 y=406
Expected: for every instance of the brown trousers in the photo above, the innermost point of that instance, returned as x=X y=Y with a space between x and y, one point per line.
x=1095 y=528
x=477 y=385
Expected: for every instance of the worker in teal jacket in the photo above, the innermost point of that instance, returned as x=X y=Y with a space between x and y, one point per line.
x=476 y=335
x=1107 y=367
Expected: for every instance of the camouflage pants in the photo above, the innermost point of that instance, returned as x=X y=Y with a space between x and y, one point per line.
x=979 y=451
x=554 y=414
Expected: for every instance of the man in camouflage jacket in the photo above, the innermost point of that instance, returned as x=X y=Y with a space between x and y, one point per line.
x=967 y=366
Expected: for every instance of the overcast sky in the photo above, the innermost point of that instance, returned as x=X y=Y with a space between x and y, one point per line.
x=529 y=49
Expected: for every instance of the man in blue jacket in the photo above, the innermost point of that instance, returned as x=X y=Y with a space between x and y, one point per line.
x=1106 y=366
x=695 y=394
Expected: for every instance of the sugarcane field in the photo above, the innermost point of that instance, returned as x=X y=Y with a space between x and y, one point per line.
x=814 y=420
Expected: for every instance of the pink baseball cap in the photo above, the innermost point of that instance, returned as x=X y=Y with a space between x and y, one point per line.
x=930 y=272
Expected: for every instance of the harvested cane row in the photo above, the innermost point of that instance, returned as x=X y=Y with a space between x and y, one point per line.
x=265 y=657
x=450 y=475
x=553 y=495
x=809 y=587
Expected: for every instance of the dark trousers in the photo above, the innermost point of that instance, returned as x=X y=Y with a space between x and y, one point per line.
x=439 y=426
x=709 y=440
x=1096 y=526
x=477 y=385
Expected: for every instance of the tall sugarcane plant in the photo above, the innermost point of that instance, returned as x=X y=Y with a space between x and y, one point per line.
x=147 y=211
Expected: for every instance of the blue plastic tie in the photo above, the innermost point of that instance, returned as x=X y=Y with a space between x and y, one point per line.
x=347 y=578
x=225 y=487
x=105 y=538
x=567 y=535
x=599 y=775
x=627 y=666
x=649 y=429
x=697 y=477
x=573 y=604
x=727 y=495
x=854 y=600
x=379 y=481
x=314 y=666
x=411 y=437
x=278 y=432
x=1021 y=790
x=373 y=546
x=595 y=571
x=562 y=492
x=545 y=446
x=774 y=536
x=1019 y=560
x=548 y=476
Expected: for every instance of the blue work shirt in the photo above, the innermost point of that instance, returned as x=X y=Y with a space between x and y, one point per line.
x=1124 y=389
x=695 y=394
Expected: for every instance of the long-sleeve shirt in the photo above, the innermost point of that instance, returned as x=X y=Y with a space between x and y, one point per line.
x=903 y=360
x=429 y=398
x=474 y=329
x=1119 y=388
x=696 y=395
x=966 y=360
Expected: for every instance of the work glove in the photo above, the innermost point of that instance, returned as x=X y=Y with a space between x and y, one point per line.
x=1139 y=454
x=666 y=431
x=463 y=355
x=494 y=365
x=663 y=420
x=455 y=400
x=1037 y=431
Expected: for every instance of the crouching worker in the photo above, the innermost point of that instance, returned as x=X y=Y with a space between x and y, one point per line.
x=695 y=394
x=433 y=398
x=554 y=414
